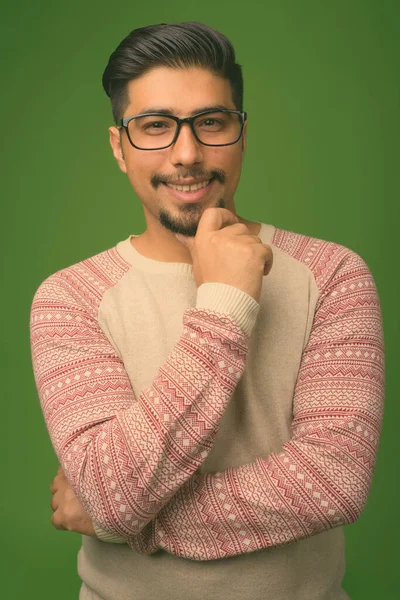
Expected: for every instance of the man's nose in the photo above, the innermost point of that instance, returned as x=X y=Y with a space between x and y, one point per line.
x=186 y=149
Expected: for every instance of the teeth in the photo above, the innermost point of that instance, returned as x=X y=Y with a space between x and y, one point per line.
x=190 y=188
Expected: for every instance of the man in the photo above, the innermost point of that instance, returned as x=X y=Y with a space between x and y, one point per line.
x=213 y=387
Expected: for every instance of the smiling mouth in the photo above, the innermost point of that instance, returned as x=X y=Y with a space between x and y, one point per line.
x=194 y=187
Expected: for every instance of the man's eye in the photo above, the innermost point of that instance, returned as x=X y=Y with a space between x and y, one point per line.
x=155 y=125
x=208 y=123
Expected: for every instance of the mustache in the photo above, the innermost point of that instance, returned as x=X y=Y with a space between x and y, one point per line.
x=218 y=174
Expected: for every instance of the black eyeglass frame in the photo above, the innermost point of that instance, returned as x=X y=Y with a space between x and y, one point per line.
x=123 y=123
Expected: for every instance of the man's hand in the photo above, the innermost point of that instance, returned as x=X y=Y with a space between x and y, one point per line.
x=224 y=251
x=68 y=512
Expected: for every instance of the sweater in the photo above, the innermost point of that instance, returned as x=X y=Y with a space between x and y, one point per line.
x=225 y=441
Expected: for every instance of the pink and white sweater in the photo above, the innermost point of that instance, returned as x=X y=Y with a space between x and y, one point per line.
x=198 y=425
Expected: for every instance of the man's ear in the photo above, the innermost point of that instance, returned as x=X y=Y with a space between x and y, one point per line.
x=116 y=145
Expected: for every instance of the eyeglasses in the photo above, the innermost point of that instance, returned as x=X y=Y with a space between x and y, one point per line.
x=155 y=131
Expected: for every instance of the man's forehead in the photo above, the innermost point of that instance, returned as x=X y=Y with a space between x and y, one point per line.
x=171 y=91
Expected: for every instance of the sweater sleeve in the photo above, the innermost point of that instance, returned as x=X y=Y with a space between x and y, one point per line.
x=125 y=457
x=322 y=476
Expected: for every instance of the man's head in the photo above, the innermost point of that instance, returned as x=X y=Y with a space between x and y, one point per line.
x=179 y=70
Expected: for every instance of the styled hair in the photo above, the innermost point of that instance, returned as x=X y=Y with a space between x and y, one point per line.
x=175 y=45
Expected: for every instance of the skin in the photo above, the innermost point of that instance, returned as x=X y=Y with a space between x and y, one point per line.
x=184 y=91
x=68 y=512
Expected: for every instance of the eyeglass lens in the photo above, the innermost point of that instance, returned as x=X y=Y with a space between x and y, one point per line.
x=152 y=132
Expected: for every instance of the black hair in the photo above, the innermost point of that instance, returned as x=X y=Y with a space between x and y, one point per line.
x=175 y=45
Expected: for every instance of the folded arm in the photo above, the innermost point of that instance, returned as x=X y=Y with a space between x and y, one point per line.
x=322 y=477
x=126 y=457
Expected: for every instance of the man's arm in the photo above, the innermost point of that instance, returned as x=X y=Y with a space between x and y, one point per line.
x=322 y=477
x=125 y=458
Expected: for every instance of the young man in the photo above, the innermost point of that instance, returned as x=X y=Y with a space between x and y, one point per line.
x=213 y=387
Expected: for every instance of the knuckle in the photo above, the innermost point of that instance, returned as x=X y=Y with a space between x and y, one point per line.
x=269 y=254
x=54 y=520
x=266 y=249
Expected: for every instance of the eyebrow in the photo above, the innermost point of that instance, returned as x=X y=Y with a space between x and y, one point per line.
x=172 y=112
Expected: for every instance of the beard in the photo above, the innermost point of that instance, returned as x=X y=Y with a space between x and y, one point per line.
x=190 y=214
x=188 y=223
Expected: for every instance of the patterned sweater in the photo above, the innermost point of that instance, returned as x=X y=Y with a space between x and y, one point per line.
x=226 y=441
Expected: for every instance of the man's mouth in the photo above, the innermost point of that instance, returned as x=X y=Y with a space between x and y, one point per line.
x=193 y=187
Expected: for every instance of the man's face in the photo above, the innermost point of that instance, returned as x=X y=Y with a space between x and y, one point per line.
x=184 y=92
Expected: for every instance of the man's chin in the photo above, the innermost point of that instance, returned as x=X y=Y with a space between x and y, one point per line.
x=188 y=222
x=174 y=225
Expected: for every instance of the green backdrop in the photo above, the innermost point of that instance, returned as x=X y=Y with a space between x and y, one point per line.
x=322 y=94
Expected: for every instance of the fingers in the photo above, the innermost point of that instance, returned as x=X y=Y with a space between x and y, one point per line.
x=257 y=239
x=56 y=522
x=56 y=517
x=59 y=478
x=54 y=503
x=268 y=258
x=214 y=219
x=238 y=228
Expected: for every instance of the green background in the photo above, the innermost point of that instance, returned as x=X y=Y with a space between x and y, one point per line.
x=322 y=94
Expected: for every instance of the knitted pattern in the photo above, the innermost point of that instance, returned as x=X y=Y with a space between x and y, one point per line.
x=132 y=461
